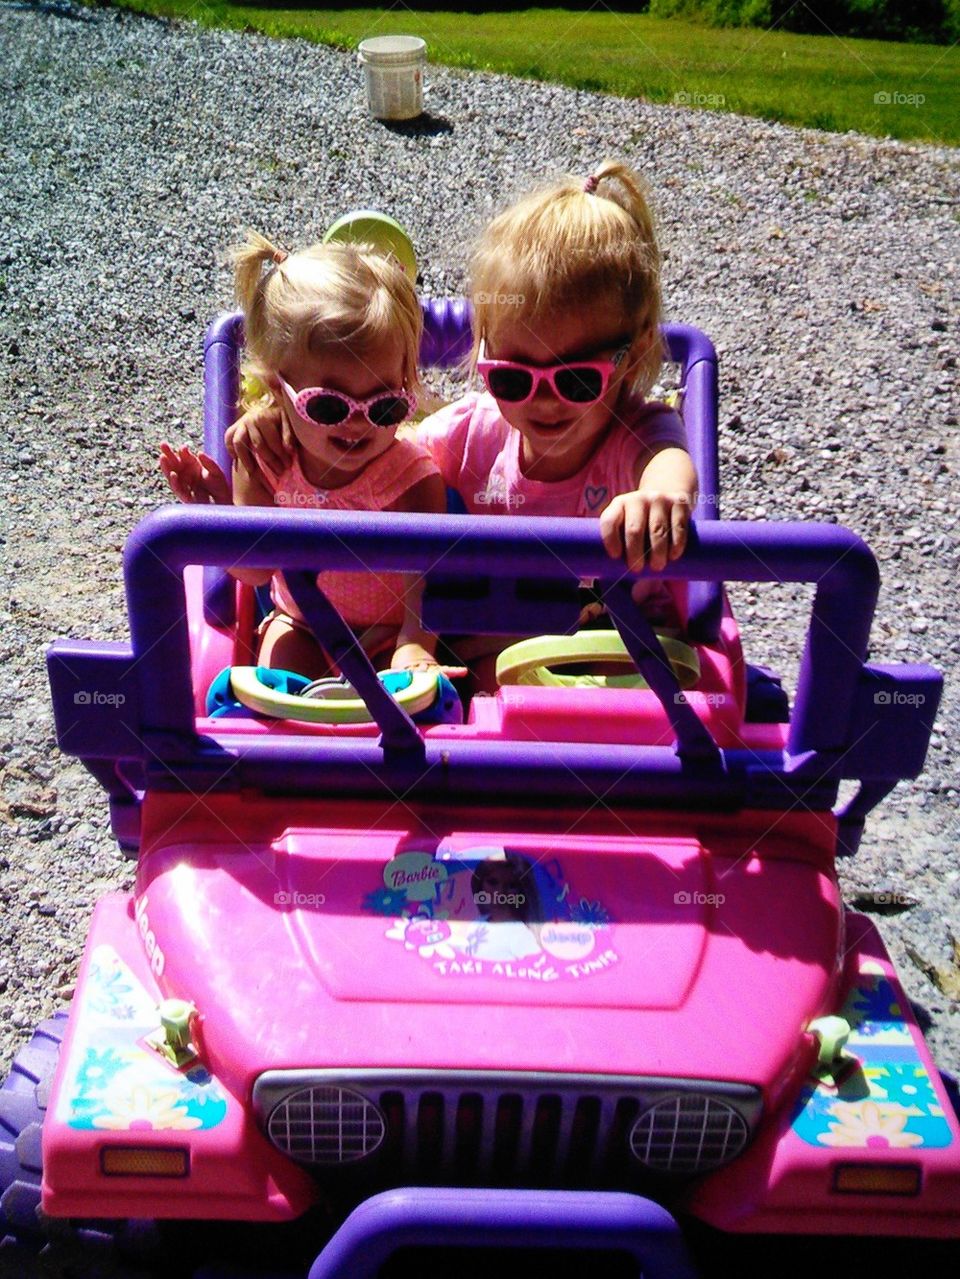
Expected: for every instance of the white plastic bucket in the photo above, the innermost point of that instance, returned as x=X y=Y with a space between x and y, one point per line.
x=393 y=68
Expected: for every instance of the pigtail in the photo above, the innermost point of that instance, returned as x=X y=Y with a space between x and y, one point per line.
x=248 y=261
x=318 y=299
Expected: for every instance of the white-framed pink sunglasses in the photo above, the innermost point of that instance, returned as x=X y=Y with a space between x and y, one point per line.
x=320 y=406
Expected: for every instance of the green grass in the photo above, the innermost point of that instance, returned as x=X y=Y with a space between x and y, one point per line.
x=822 y=82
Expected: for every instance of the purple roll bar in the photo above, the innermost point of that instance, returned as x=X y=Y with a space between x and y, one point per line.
x=127 y=709
x=165 y=542
x=424 y=1217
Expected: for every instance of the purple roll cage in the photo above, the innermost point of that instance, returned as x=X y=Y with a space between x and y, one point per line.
x=850 y=719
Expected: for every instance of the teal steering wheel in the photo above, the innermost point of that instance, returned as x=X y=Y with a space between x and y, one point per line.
x=331 y=700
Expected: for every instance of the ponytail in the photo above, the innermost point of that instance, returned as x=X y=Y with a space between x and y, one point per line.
x=618 y=183
x=575 y=244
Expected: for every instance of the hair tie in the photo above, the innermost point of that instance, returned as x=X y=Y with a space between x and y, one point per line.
x=280 y=256
x=591 y=184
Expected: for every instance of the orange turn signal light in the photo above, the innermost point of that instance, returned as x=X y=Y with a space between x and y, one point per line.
x=877 y=1179
x=145 y=1161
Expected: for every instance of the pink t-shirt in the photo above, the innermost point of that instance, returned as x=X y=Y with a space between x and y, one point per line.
x=363 y=598
x=477 y=452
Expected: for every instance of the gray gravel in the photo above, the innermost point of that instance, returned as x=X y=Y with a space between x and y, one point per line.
x=134 y=151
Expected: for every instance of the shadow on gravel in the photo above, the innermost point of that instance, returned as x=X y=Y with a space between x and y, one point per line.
x=924 y=1018
x=424 y=126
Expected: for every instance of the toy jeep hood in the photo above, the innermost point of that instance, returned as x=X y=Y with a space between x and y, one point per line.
x=345 y=940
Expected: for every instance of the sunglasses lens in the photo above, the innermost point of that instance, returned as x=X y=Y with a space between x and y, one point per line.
x=388 y=411
x=511 y=385
x=579 y=385
x=327 y=410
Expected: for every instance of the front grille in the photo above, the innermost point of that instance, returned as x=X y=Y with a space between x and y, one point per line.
x=326 y=1125
x=688 y=1134
x=508 y=1128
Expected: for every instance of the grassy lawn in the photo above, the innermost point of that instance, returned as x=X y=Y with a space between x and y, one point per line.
x=823 y=82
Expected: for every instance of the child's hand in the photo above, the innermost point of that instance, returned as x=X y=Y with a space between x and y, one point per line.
x=414 y=657
x=646 y=528
x=262 y=435
x=194 y=477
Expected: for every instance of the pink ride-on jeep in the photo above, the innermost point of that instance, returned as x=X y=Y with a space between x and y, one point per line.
x=565 y=979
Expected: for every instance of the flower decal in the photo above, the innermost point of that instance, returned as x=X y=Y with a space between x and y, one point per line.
x=385 y=901
x=143 y=1106
x=907 y=1084
x=428 y=937
x=590 y=913
x=869 y=1125
x=110 y=988
x=889 y=1101
x=874 y=1003
x=113 y=1080
x=475 y=938
x=99 y=1068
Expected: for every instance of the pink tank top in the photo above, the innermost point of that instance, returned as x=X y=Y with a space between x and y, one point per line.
x=363 y=598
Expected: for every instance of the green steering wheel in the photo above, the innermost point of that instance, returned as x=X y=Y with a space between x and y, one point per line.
x=529 y=662
x=331 y=700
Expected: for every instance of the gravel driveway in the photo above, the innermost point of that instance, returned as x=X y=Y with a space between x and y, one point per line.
x=134 y=151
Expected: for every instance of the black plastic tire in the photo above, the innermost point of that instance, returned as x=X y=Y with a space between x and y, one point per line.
x=29 y=1241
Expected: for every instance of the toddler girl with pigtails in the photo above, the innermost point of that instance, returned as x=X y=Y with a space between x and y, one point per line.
x=333 y=334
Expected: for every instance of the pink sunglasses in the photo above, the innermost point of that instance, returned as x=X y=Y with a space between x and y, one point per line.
x=580 y=382
x=319 y=406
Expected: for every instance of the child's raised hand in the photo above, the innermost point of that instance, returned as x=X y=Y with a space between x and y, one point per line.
x=194 y=477
x=262 y=435
x=646 y=528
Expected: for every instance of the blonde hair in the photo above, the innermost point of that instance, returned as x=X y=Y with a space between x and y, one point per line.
x=572 y=244
x=319 y=298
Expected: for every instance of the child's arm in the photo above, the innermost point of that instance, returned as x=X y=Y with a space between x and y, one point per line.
x=250 y=490
x=416 y=647
x=194 y=477
x=649 y=526
x=262 y=433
